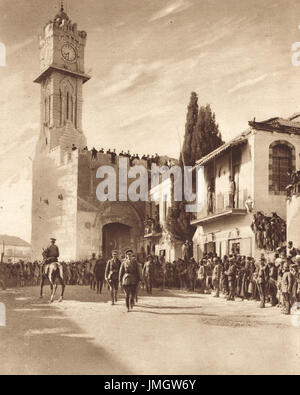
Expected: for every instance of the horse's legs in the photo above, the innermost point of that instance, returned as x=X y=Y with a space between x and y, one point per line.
x=42 y=285
x=53 y=291
x=63 y=287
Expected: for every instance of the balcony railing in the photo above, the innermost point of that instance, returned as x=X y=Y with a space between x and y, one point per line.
x=221 y=203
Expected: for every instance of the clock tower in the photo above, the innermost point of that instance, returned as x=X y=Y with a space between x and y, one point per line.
x=61 y=78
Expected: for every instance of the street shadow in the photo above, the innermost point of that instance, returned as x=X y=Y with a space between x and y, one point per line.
x=88 y=295
x=40 y=340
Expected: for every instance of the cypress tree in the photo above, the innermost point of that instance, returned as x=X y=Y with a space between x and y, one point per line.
x=202 y=136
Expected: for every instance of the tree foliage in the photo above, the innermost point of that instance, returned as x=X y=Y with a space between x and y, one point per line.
x=202 y=136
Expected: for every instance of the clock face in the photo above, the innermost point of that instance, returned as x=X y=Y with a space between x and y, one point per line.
x=68 y=53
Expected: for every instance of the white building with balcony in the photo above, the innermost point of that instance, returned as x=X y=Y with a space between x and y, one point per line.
x=157 y=240
x=258 y=162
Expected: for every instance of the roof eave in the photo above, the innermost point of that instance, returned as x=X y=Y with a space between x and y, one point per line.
x=45 y=72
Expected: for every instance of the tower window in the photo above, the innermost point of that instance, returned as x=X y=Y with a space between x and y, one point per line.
x=45 y=109
x=72 y=110
x=68 y=106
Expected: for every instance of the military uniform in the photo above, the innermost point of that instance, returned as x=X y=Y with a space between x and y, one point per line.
x=216 y=276
x=262 y=281
x=51 y=255
x=129 y=278
x=112 y=277
x=286 y=289
x=92 y=264
x=231 y=273
x=99 y=273
x=148 y=271
x=201 y=278
x=272 y=288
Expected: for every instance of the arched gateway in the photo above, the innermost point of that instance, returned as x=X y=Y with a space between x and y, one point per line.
x=115 y=236
x=120 y=226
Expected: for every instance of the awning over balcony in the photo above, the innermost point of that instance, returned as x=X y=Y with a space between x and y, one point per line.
x=214 y=217
x=237 y=141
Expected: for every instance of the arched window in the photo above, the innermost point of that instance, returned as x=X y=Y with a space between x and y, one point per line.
x=45 y=109
x=60 y=107
x=68 y=105
x=282 y=160
x=72 y=109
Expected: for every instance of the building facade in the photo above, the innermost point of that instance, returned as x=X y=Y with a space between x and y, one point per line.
x=253 y=168
x=157 y=240
x=13 y=249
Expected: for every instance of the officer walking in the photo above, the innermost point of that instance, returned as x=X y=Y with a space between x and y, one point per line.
x=129 y=278
x=112 y=276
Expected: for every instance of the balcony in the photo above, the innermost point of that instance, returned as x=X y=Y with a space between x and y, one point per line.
x=220 y=206
x=152 y=229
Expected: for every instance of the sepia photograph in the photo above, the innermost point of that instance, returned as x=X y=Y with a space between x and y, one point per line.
x=149 y=190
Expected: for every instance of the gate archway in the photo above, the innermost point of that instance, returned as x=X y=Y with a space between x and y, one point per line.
x=115 y=236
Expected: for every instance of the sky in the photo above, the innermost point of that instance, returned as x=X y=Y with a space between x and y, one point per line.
x=145 y=58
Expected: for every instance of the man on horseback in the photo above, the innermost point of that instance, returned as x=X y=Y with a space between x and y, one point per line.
x=52 y=270
x=50 y=255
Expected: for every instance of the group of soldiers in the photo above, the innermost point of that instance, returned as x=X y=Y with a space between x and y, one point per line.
x=294 y=186
x=270 y=232
x=128 y=274
x=276 y=280
x=150 y=159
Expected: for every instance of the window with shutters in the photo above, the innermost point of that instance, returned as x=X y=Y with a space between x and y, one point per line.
x=281 y=162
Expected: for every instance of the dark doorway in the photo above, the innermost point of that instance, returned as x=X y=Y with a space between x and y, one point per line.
x=116 y=236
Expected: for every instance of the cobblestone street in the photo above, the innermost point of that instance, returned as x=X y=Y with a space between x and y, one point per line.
x=171 y=332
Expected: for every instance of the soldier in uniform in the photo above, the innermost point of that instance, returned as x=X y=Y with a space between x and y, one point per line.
x=148 y=272
x=129 y=278
x=112 y=276
x=51 y=254
x=262 y=281
x=231 y=274
x=286 y=288
x=216 y=276
x=201 y=276
x=99 y=273
x=92 y=264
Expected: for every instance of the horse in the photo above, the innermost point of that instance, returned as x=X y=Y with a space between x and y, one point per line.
x=53 y=274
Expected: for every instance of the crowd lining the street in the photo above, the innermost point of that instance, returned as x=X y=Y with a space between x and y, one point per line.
x=275 y=281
